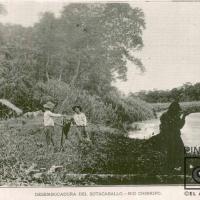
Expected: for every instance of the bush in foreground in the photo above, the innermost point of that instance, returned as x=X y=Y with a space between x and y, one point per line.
x=111 y=158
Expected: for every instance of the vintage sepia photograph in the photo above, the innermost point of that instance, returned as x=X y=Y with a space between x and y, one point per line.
x=99 y=94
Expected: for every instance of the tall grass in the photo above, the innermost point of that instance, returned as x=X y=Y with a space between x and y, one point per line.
x=112 y=109
x=24 y=160
x=129 y=109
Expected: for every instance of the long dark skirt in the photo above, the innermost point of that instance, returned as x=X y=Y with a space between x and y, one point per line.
x=175 y=150
x=170 y=144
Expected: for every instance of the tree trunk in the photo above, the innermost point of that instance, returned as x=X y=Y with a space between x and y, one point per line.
x=76 y=72
x=61 y=68
x=46 y=68
x=60 y=75
x=72 y=83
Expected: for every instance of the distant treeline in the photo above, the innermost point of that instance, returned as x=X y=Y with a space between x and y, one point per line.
x=187 y=92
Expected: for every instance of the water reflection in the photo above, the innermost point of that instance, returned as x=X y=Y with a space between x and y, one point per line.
x=190 y=132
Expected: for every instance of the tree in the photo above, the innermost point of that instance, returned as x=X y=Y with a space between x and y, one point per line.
x=186 y=92
x=106 y=35
x=44 y=39
x=17 y=64
x=86 y=48
x=90 y=44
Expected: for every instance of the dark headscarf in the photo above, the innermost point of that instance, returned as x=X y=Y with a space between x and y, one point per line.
x=174 y=108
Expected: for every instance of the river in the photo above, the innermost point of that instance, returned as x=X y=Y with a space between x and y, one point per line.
x=190 y=131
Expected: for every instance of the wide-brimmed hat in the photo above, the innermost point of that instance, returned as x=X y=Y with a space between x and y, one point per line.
x=49 y=104
x=77 y=106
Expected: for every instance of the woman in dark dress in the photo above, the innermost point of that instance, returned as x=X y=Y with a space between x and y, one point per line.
x=172 y=122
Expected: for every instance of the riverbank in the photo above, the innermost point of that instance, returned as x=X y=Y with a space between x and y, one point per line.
x=111 y=158
x=25 y=161
x=190 y=132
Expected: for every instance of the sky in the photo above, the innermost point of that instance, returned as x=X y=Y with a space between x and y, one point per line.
x=171 y=41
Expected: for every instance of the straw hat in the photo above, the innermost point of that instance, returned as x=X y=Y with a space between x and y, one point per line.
x=49 y=105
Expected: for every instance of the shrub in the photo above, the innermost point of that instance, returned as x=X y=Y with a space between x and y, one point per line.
x=113 y=109
x=129 y=109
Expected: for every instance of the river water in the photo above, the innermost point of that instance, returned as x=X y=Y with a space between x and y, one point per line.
x=190 y=131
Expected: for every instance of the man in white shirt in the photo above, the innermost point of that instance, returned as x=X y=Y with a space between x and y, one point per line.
x=49 y=123
x=80 y=120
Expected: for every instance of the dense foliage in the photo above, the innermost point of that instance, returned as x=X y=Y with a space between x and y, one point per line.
x=74 y=59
